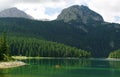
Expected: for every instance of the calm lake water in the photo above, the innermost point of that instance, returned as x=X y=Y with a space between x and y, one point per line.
x=64 y=68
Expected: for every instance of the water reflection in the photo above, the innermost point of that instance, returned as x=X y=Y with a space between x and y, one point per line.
x=64 y=68
x=2 y=73
x=60 y=62
x=49 y=67
x=115 y=64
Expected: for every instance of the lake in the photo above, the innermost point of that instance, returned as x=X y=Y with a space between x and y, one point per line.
x=64 y=68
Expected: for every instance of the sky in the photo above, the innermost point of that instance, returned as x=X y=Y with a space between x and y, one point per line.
x=50 y=9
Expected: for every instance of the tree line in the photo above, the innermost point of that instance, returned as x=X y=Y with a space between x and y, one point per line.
x=115 y=54
x=37 y=47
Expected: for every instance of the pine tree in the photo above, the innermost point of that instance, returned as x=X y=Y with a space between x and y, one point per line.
x=4 y=48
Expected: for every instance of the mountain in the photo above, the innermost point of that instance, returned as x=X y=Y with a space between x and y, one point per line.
x=14 y=12
x=79 y=13
x=95 y=35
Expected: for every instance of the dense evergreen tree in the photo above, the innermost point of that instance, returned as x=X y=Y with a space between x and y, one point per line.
x=4 y=48
x=37 y=47
x=98 y=38
x=115 y=54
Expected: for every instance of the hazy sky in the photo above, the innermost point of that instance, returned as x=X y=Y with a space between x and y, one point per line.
x=49 y=9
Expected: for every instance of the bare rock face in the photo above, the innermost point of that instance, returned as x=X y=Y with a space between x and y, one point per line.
x=14 y=12
x=79 y=13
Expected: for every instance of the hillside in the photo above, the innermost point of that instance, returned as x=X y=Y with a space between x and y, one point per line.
x=14 y=12
x=79 y=13
x=33 y=47
x=97 y=36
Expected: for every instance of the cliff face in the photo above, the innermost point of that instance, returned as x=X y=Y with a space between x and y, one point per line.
x=14 y=12
x=79 y=13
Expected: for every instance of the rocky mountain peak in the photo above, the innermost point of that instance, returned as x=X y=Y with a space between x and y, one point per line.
x=14 y=12
x=79 y=13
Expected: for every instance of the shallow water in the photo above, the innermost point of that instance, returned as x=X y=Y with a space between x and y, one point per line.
x=64 y=68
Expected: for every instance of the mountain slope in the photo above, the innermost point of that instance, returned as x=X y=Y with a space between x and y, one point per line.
x=98 y=37
x=79 y=13
x=14 y=12
x=39 y=47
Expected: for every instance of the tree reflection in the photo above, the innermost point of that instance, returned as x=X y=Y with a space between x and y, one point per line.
x=115 y=64
x=2 y=73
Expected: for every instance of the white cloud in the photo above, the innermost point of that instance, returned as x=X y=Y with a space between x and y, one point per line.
x=37 y=11
x=5 y=4
x=40 y=12
x=9 y=3
x=109 y=9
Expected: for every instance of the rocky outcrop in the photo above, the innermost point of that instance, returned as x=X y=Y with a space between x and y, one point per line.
x=79 y=13
x=14 y=12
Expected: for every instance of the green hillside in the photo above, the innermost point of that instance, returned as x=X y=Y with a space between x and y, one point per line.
x=100 y=38
x=37 y=47
x=115 y=54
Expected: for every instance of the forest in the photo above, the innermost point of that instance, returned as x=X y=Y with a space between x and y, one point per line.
x=115 y=54
x=99 y=38
x=22 y=46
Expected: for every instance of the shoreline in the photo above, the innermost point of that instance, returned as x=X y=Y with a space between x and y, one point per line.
x=102 y=59
x=25 y=57
x=11 y=64
x=105 y=59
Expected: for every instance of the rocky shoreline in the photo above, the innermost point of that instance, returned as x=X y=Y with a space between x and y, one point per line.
x=11 y=64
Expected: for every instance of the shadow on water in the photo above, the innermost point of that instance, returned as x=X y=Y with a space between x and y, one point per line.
x=64 y=68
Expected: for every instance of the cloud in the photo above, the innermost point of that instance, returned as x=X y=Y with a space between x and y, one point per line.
x=41 y=9
x=5 y=4
x=35 y=8
x=50 y=9
x=109 y=9
x=10 y=3
x=38 y=11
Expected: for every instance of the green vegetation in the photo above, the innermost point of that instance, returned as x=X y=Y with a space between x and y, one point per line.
x=4 y=49
x=98 y=38
x=22 y=46
x=115 y=54
x=35 y=47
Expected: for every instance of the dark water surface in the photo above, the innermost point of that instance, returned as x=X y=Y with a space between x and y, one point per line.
x=64 y=68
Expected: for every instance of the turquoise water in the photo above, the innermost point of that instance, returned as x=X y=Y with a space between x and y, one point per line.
x=64 y=68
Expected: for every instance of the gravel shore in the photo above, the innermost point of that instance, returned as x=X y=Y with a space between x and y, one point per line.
x=11 y=64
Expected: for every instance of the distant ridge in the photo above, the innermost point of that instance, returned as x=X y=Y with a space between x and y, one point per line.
x=14 y=12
